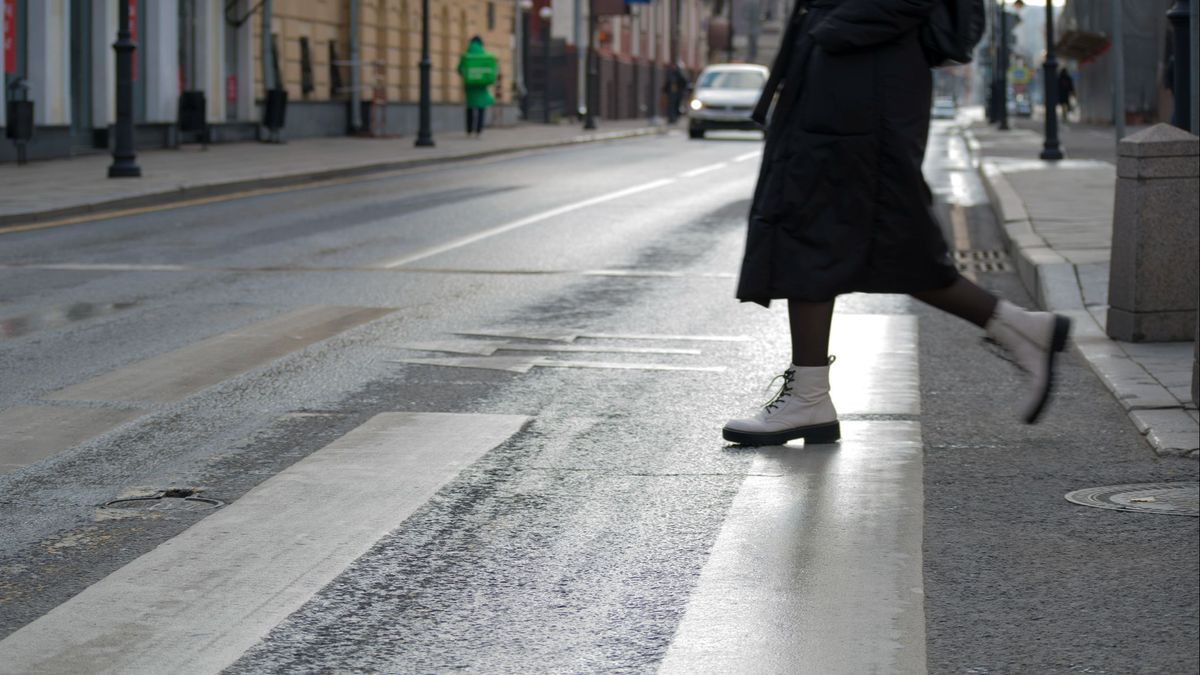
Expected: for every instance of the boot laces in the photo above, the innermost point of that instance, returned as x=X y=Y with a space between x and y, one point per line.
x=785 y=390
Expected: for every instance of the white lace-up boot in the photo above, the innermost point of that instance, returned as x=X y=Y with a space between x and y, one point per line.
x=800 y=409
x=1033 y=339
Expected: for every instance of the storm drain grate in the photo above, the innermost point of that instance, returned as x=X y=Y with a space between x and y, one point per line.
x=981 y=261
x=177 y=499
x=1171 y=499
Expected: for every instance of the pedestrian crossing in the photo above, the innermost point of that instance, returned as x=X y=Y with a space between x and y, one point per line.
x=816 y=566
x=196 y=602
x=36 y=432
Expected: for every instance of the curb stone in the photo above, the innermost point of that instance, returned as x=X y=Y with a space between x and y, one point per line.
x=186 y=192
x=1053 y=282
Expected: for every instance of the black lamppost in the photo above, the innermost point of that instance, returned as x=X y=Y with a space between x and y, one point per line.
x=1002 y=67
x=1178 y=15
x=1050 y=148
x=424 y=133
x=545 y=13
x=124 y=156
x=589 y=118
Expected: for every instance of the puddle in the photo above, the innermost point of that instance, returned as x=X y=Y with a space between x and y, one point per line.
x=56 y=317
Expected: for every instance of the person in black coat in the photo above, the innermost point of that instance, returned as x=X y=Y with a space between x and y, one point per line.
x=1066 y=91
x=841 y=206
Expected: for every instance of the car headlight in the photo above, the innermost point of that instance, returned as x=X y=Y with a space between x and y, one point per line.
x=697 y=104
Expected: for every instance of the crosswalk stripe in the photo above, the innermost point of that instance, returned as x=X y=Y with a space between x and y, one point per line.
x=818 y=564
x=201 y=599
x=32 y=433
x=174 y=376
x=817 y=568
x=876 y=371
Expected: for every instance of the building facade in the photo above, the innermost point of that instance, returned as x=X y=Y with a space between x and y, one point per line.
x=348 y=66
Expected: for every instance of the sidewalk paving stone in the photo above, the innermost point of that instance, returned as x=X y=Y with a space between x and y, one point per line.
x=1057 y=219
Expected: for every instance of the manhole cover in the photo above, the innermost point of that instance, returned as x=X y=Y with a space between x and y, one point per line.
x=166 y=500
x=1172 y=499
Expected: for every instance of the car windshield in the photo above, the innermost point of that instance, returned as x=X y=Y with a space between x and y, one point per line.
x=732 y=79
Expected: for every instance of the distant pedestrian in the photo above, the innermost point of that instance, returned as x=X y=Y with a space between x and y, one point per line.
x=841 y=206
x=478 y=70
x=1066 y=91
x=675 y=88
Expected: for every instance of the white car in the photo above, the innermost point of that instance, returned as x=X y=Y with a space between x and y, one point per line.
x=724 y=97
x=944 y=109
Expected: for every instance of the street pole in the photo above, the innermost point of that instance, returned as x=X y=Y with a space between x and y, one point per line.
x=424 y=133
x=544 y=14
x=356 y=121
x=589 y=118
x=1179 y=15
x=1118 y=56
x=654 y=48
x=1050 y=148
x=124 y=155
x=1002 y=103
x=1194 y=65
x=994 y=58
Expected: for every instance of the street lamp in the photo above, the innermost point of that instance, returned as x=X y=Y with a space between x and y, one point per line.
x=1050 y=148
x=589 y=118
x=1002 y=102
x=525 y=27
x=124 y=156
x=545 y=14
x=424 y=133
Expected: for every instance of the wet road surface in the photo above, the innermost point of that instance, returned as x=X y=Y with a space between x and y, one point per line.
x=468 y=418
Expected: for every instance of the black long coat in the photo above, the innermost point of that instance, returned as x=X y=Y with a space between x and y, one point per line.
x=841 y=204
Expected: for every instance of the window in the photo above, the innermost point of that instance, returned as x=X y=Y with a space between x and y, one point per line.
x=491 y=16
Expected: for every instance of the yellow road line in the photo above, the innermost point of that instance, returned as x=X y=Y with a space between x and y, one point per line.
x=962 y=236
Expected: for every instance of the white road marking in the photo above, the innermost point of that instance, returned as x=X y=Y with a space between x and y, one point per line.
x=100 y=267
x=648 y=336
x=530 y=220
x=478 y=348
x=876 y=371
x=568 y=336
x=32 y=433
x=201 y=599
x=597 y=349
x=817 y=568
x=611 y=365
x=748 y=156
x=658 y=273
x=523 y=364
x=134 y=267
x=703 y=170
x=178 y=374
x=508 y=364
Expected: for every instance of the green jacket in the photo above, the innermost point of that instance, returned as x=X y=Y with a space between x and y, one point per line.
x=478 y=70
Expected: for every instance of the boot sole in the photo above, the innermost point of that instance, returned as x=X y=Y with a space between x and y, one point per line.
x=1062 y=328
x=818 y=433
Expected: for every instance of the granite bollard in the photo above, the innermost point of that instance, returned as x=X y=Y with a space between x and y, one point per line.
x=1152 y=287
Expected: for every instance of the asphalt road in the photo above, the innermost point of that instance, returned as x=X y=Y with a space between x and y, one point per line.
x=562 y=510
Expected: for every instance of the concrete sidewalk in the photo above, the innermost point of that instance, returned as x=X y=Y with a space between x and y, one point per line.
x=1057 y=220
x=59 y=188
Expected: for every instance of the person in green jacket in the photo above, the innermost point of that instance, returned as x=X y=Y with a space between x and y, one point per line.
x=478 y=70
